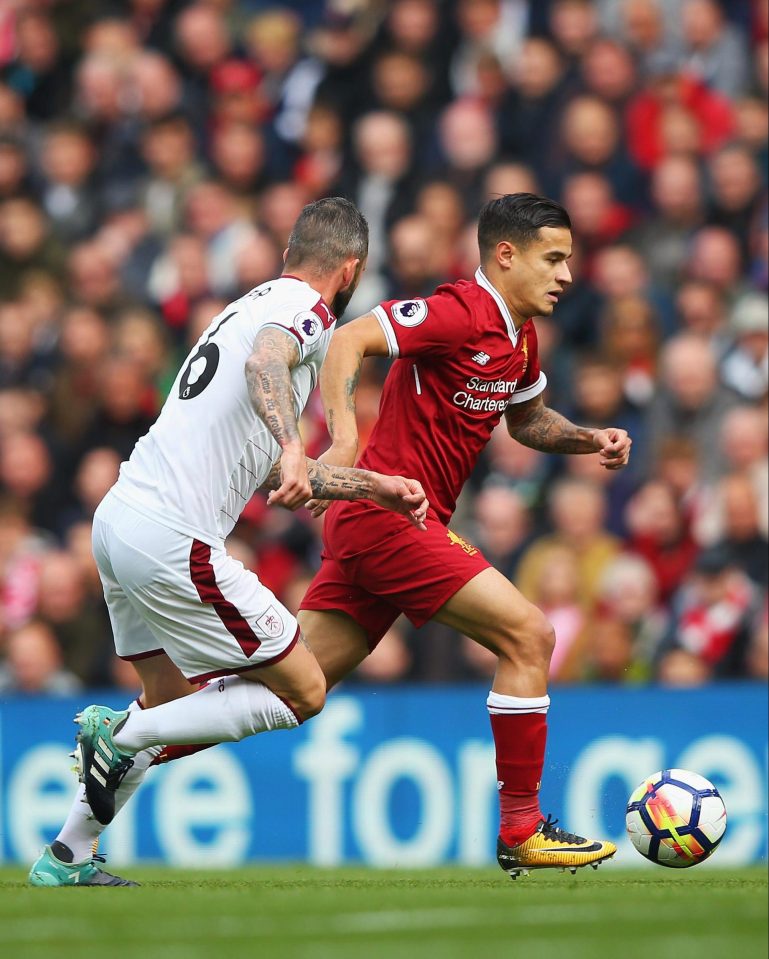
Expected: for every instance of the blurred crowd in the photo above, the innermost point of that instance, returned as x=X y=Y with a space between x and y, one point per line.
x=154 y=155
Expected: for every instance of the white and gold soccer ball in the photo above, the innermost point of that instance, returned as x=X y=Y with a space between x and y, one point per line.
x=676 y=818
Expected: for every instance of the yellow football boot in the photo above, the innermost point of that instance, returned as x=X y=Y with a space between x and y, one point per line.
x=552 y=848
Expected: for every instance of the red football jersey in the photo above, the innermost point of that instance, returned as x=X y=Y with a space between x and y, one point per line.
x=460 y=363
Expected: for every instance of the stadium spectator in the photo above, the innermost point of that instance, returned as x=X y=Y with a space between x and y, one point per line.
x=322 y=150
x=670 y=94
x=413 y=264
x=533 y=105
x=735 y=524
x=577 y=514
x=609 y=71
x=14 y=167
x=27 y=475
x=735 y=183
x=745 y=367
x=689 y=400
x=32 y=664
x=714 y=49
x=700 y=308
x=628 y=593
x=663 y=238
x=485 y=27
x=168 y=149
x=659 y=532
x=21 y=549
x=573 y=26
x=77 y=621
x=714 y=615
x=27 y=244
x=503 y=526
x=591 y=140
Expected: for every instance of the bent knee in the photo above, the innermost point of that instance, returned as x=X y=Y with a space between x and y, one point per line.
x=311 y=699
x=531 y=638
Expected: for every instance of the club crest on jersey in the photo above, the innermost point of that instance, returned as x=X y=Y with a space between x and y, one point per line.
x=309 y=326
x=270 y=622
x=409 y=312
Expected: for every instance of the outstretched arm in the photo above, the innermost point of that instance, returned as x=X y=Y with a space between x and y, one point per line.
x=341 y=482
x=268 y=375
x=535 y=425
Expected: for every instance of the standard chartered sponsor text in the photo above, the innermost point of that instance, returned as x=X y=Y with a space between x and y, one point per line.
x=486 y=404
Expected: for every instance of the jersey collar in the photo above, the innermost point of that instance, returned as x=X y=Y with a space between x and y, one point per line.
x=482 y=280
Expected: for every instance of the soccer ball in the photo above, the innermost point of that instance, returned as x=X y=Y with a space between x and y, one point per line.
x=676 y=818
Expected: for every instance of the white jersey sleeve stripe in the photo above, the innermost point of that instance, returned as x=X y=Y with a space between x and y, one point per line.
x=387 y=328
x=530 y=392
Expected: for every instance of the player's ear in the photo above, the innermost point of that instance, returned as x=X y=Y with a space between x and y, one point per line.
x=349 y=272
x=505 y=252
x=285 y=254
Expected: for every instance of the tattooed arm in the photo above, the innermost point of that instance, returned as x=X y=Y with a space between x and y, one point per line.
x=340 y=482
x=339 y=381
x=535 y=425
x=268 y=375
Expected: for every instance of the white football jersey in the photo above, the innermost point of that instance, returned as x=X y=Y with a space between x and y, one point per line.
x=208 y=451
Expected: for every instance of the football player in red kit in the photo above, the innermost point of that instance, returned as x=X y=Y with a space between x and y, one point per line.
x=464 y=357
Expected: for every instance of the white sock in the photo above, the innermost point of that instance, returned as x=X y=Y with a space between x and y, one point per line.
x=81 y=829
x=500 y=705
x=227 y=710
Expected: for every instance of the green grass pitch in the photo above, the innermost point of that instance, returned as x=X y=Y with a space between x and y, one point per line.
x=300 y=912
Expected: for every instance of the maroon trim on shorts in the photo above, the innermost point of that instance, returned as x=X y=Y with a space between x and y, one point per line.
x=230 y=671
x=204 y=578
x=138 y=656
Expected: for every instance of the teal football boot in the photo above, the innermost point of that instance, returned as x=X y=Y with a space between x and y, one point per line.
x=49 y=870
x=101 y=765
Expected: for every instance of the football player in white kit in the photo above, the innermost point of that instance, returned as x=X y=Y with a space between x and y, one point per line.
x=183 y=610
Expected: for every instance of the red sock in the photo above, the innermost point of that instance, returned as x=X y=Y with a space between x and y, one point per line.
x=520 y=743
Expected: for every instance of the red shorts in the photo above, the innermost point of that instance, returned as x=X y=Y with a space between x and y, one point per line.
x=376 y=565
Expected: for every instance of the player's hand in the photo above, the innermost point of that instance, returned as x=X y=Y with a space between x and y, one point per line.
x=294 y=489
x=613 y=446
x=402 y=496
x=335 y=455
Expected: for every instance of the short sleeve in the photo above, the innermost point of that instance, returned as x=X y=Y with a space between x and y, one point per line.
x=305 y=326
x=532 y=381
x=439 y=325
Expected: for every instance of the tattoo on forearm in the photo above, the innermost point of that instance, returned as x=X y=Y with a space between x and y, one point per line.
x=351 y=384
x=269 y=383
x=330 y=482
x=546 y=430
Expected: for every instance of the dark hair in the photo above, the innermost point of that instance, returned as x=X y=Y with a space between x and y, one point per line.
x=327 y=232
x=517 y=217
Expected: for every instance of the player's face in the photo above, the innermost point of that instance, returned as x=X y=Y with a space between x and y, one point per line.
x=539 y=273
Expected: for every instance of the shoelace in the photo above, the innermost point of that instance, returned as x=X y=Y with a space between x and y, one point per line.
x=550 y=831
x=116 y=776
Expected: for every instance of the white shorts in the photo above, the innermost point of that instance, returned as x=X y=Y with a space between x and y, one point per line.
x=167 y=592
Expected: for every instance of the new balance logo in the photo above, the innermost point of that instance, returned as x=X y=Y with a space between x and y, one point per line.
x=481 y=358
